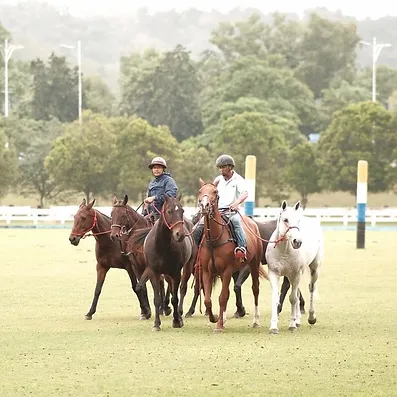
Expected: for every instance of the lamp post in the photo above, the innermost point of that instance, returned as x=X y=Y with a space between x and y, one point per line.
x=7 y=51
x=376 y=49
x=80 y=88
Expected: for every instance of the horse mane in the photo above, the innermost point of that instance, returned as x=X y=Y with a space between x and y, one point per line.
x=107 y=217
x=137 y=238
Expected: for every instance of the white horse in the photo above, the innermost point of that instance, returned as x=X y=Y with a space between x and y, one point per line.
x=296 y=243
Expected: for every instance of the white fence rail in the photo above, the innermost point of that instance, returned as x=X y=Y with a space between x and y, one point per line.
x=62 y=215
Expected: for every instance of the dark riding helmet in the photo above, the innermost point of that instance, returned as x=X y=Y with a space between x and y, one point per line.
x=223 y=160
x=158 y=161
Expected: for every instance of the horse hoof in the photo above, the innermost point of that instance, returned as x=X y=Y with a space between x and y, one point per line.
x=238 y=314
x=218 y=330
x=188 y=315
x=177 y=324
x=255 y=325
x=167 y=311
x=303 y=311
x=292 y=329
x=214 y=319
x=312 y=321
x=298 y=325
x=88 y=317
x=144 y=316
x=156 y=329
x=273 y=331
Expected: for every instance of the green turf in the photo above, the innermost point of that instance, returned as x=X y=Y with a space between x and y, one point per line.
x=48 y=349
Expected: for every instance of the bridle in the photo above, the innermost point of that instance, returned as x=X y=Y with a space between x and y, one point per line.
x=95 y=223
x=123 y=229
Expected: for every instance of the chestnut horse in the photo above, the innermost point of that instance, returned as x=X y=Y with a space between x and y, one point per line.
x=107 y=252
x=125 y=222
x=216 y=255
x=169 y=248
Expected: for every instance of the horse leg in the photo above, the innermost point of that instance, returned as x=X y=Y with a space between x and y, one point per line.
x=155 y=280
x=183 y=291
x=293 y=298
x=141 y=293
x=239 y=278
x=284 y=289
x=177 y=321
x=165 y=298
x=223 y=299
x=312 y=289
x=301 y=302
x=207 y=284
x=255 y=291
x=274 y=279
x=100 y=279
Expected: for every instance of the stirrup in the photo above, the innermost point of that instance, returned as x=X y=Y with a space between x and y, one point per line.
x=240 y=252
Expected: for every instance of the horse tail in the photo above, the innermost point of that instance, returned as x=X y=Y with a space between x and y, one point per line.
x=263 y=272
x=138 y=238
x=215 y=278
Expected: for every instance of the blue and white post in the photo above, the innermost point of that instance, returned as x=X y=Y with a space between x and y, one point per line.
x=250 y=175
x=362 y=187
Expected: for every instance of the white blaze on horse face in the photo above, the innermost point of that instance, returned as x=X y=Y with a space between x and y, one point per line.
x=204 y=204
x=176 y=208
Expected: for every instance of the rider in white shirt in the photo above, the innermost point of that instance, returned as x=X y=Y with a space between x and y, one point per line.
x=232 y=191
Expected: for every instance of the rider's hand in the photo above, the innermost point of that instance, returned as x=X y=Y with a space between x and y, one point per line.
x=149 y=200
x=234 y=206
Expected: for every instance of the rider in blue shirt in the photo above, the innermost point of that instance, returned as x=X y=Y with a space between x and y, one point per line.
x=162 y=184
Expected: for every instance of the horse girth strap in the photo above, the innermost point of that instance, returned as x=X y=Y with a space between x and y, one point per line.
x=212 y=245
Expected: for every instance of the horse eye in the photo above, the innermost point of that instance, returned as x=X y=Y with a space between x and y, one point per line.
x=286 y=220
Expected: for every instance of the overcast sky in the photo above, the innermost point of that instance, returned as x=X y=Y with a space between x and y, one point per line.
x=358 y=9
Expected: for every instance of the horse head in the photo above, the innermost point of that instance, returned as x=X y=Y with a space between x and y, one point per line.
x=119 y=216
x=84 y=221
x=288 y=224
x=207 y=197
x=172 y=215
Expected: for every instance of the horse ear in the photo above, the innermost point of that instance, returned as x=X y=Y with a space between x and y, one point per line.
x=90 y=205
x=297 y=205
x=202 y=183
x=284 y=205
x=179 y=197
x=125 y=201
x=83 y=203
x=114 y=199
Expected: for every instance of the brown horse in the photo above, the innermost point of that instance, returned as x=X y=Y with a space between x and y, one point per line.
x=107 y=252
x=125 y=222
x=216 y=255
x=169 y=248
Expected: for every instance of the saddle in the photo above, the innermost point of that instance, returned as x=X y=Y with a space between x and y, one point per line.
x=230 y=226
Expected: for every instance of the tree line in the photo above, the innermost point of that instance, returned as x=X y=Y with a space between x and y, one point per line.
x=262 y=89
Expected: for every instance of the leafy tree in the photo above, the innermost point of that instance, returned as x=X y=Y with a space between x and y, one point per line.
x=193 y=163
x=34 y=177
x=303 y=174
x=328 y=49
x=136 y=145
x=55 y=90
x=249 y=133
x=99 y=98
x=81 y=158
x=363 y=131
x=8 y=164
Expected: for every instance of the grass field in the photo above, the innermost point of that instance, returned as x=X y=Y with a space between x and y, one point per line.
x=48 y=349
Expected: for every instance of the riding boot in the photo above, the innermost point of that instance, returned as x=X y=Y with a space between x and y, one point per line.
x=241 y=249
x=198 y=233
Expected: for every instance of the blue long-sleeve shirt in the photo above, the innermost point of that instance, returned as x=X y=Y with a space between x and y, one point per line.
x=161 y=185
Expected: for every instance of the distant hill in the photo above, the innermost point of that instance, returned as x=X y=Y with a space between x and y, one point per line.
x=42 y=28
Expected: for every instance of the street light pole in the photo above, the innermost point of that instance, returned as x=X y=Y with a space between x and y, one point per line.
x=376 y=49
x=80 y=84
x=7 y=51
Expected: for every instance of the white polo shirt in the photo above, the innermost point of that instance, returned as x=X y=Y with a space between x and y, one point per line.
x=229 y=191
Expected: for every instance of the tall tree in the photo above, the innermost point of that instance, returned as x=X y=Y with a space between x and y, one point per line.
x=362 y=131
x=328 y=49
